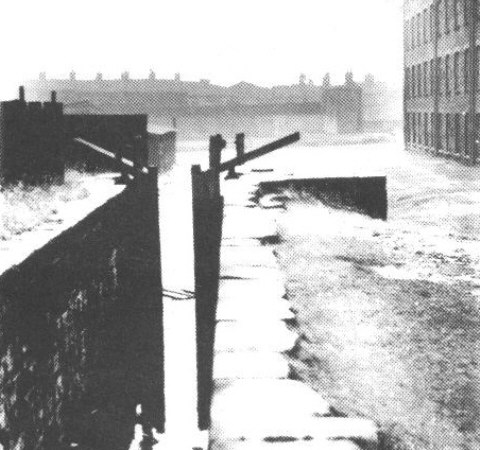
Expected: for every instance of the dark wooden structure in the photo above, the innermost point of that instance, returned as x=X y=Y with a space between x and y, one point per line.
x=126 y=133
x=208 y=205
x=31 y=141
x=365 y=194
x=81 y=329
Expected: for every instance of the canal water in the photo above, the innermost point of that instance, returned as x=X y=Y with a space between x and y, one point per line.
x=389 y=311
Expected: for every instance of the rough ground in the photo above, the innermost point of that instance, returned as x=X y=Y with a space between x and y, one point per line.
x=389 y=311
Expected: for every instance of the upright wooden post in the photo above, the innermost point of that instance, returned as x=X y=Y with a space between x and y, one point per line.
x=53 y=96
x=123 y=178
x=240 y=144
x=153 y=365
x=136 y=157
x=240 y=148
x=207 y=211
x=217 y=144
x=21 y=94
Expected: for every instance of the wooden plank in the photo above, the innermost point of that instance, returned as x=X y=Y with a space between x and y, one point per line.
x=127 y=162
x=207 y=207
x=239 y=160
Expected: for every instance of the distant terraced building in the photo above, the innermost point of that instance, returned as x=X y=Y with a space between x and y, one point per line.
x=441 y=73
x=344 y=108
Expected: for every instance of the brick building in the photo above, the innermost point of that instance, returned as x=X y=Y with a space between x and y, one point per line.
x=441 y=88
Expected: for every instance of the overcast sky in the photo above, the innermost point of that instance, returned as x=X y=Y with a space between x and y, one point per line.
x=262 y=41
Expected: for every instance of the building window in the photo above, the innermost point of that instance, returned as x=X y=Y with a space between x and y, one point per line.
x=419 y=29
x=405 y=34
x=420 y=129
x=441 y=129
x=432 y=77
x=420 y=80
x=413 y=77
x=447 y=131
x=455 y=14
x=405 y=83
x=447 y=16
x=414 y=31
x=447 y=76
x=413 y=82
x=456 y=73
x=466 y=13
x=432 y=21
x=466 y=71
x=457 y=132
x=414 y=128
x=425 y=26
x=441 y=76
x=478 y=67
x=432 y=130
x=425 y=79
x=477 y=133
x=426 y=131
x=440 y=17
x=410 y=34
x=407 y=127
x=461 y=8
x=450 y=133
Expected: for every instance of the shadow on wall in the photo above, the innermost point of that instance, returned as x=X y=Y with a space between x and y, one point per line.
x=367 y=194
x=80 y=341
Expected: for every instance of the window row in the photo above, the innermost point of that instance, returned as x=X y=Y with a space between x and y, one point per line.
x=453 y=131
x=444 y=16
x=450 y=74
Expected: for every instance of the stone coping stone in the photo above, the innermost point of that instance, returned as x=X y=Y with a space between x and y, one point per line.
x=250 y=256
x=240 y=187
x=289 y=445
x=265 y=335
x=253 y=310
x=262 y=408
x=264 y=274
x=249 y=230
x=238 y=212
x=271 y=201
x=243 y=289
x=242 y=202
x=241 y=242
x=281 y=425
x=250 y=364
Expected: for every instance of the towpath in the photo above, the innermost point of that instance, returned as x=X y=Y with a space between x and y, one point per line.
x=255 y=404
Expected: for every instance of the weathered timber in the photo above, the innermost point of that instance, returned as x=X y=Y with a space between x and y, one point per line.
x=129 y=166
x=207 y=205
x=264 y=150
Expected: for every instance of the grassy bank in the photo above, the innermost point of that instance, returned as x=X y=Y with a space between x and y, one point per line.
x=23 y=208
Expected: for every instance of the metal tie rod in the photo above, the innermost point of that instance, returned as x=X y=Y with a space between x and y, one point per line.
x=108 y=153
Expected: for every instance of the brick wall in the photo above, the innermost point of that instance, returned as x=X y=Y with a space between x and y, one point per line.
x=80 y=331
x=31 y=142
